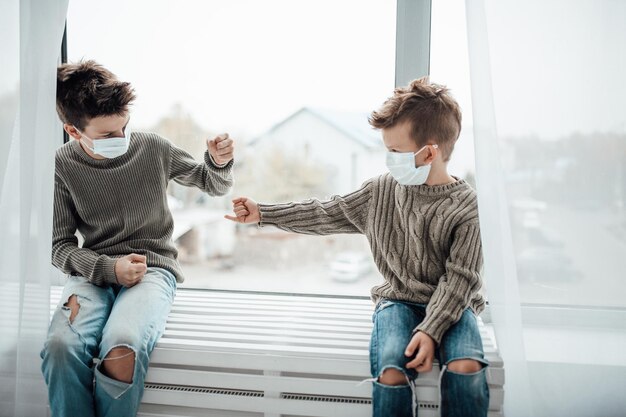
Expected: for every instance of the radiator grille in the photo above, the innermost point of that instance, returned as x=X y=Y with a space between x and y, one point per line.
x=325 y=398
x=285 y=396
x=207 y=390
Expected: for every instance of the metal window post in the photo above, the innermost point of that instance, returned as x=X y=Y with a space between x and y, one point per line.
x=412 y=40
x=66 y=137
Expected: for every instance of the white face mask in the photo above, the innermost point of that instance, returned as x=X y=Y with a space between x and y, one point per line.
x=403 y=169
x=109 y=147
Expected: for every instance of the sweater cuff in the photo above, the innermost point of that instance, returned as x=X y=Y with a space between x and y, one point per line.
x=208 y=159
x=265 y=216
x=435 y=327
x=109 y=270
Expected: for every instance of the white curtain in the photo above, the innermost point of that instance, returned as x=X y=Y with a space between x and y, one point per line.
x=31 y=33
x=548 y=100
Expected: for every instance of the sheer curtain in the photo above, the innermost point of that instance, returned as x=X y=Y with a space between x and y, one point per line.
x=548 y=99
x=31 y=33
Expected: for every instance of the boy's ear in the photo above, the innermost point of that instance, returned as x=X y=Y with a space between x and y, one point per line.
x=431 y=154
x=71 y=130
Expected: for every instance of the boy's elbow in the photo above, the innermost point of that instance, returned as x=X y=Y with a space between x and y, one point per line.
x=221 y=191
x=227 y=186
x=57 y=262
x=56 y=248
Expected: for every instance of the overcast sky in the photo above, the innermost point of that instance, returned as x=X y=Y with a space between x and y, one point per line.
x=241 y=65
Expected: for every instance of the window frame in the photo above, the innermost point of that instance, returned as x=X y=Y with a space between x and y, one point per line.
x=66 y=137
x=413 y=20
x=413 y=32
x=413 y=43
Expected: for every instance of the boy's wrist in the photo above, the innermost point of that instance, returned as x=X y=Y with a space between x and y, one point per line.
x=209 y=160
x=427 y=332
x=117 y=281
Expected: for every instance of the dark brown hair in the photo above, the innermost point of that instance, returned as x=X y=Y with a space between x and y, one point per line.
x=434 y=115
x=86 y=90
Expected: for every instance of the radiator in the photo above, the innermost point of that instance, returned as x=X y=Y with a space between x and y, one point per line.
x=227 y=353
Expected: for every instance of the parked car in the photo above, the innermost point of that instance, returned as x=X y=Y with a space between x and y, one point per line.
x=543 y=237
x=350 y=266
x=545 y=264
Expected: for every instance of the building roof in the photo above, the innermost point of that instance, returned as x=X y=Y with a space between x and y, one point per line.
x=352 y=125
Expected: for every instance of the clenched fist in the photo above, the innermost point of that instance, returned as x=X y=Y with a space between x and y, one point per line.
x=130 y=269
x=246 y=211
x=221 y=148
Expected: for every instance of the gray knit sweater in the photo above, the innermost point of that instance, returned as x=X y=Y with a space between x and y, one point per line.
x=120 y=206
x=425 y=241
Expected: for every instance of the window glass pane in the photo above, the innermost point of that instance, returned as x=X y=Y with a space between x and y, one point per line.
x=293 y=83
x=558 y=88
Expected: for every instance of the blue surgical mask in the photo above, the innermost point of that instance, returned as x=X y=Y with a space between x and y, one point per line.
x=402 y=168
x=109 y=147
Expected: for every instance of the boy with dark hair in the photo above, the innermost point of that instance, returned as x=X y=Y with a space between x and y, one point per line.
x=423 y=230
x=111 y=187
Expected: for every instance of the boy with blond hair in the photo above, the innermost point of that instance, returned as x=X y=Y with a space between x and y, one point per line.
x=423 y=230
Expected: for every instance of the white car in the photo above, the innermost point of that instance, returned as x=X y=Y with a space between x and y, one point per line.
x=350 y=266
x=546 y=264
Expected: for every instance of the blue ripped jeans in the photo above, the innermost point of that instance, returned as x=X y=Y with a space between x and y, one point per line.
x=462 y=395
x=107 y=318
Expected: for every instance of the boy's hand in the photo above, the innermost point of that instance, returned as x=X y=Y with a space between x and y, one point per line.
x=130 y=269
x=246 y=211
x=425 y=347
x=221 y=148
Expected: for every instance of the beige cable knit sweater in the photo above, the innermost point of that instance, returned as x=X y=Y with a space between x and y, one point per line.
x=425 y=241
